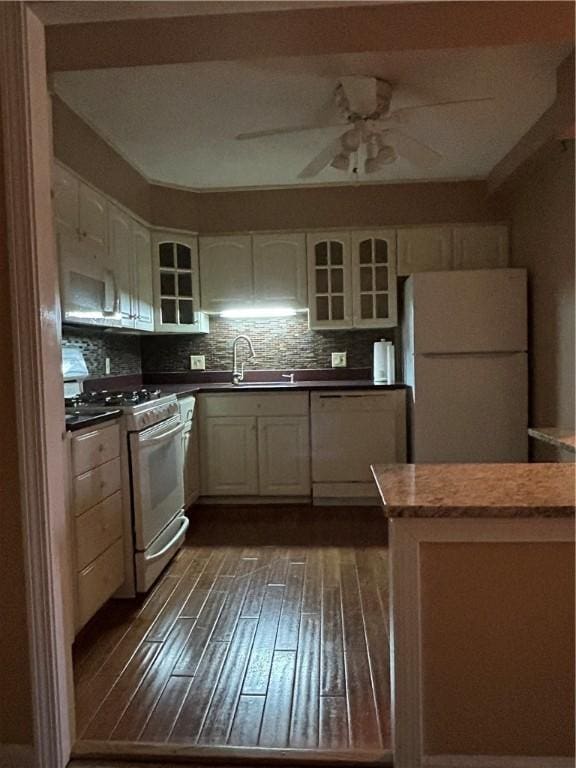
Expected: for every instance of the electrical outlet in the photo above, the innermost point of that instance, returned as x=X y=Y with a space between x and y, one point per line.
x=338 y=359
x=197 y=362
x=107 y=365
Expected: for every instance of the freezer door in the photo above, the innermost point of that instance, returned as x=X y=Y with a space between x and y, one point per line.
x=469 y=311
x=470 y=408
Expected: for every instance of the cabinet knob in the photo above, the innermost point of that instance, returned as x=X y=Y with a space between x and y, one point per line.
x=100 y=448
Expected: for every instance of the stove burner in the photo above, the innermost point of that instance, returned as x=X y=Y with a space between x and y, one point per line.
x=114 y=397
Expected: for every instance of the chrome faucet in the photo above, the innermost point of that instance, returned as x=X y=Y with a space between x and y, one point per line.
x=238 y=374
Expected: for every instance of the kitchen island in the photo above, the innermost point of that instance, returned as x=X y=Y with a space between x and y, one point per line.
x=482 y=613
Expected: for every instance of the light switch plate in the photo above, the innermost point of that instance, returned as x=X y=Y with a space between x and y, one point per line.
x=197 y=362
x=338 y=359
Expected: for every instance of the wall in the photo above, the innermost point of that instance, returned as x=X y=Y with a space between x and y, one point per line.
x=123 y=350
x=15 y=702
x=364 y=205
x=498 y=648
x=540 y=204
x=80 y=148
x=280 y=344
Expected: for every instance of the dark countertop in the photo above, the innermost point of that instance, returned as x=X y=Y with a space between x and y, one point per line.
x=81 y=420
x=194 y=388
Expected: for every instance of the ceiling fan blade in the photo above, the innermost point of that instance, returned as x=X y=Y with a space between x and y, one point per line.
x=361 y=93
x=280 y=131
x=398 y=113
x=321 y=160
x=413 y=150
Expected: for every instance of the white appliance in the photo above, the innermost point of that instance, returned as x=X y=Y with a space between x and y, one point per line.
x=384 y=368
x=350 y=430
x=88 y=288
x=152 y=467
x=465 y=359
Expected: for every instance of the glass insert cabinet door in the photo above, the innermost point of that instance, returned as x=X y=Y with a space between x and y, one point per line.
x=176 y=282
x=329 y=280
x=374 y=279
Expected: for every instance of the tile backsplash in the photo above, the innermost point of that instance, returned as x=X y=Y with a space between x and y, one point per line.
x=279 y=343
x=96 y=345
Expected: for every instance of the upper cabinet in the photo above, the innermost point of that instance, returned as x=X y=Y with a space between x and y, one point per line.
x=226 y=270
x=176 y=284
x=105 y=258
x=130 y=258
x=143 y=293
x=280 y=269
x=480 y=246
x=66 y=200
x=352 y=279
x=424 y=249
x=88 y=281
x=120 y=260
x=329 y=280
x=374 y=279
x=459 y=246
x=248 y=270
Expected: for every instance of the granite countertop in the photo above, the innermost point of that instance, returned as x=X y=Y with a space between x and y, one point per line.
x=83 y=419
x=476 y=490
x=194 y=388
x=564 y=439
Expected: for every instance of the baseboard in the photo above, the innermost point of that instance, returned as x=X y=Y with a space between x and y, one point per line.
x=343 y=490
x=495 y=761
x=345 y=501
x=16 y=756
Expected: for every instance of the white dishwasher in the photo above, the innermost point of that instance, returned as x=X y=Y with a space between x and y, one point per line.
x=350 y=430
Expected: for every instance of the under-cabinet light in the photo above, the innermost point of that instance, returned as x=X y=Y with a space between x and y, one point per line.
x=92 y=315
x=255 y=312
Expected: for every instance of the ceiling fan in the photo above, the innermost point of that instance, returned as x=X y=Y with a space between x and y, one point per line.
x=370 y=130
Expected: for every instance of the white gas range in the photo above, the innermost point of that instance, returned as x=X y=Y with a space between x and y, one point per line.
x=151 y=456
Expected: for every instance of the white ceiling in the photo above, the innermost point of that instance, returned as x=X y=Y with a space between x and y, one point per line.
x=177 y=123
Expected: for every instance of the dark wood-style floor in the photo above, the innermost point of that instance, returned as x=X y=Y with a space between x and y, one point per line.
x=269 y=629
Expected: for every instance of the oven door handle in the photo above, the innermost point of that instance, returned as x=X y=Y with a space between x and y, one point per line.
x=161 y=438
x=181 y=531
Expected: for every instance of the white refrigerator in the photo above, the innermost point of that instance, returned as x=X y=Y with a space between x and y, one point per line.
x=465 y=359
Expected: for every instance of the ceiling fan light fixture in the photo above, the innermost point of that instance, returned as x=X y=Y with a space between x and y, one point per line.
x=351 y=140
x=386 y=155
x=341 y=162
x=371 y=165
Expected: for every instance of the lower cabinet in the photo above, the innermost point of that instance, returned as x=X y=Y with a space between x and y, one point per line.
x=190 y=449
x=284 y=456
x=95 y=492
x=230 y=456
x=255 y=445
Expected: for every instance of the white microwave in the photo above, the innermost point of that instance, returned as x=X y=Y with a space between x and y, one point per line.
x=88 y=287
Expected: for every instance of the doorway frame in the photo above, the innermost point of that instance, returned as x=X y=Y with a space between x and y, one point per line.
x=35 y=330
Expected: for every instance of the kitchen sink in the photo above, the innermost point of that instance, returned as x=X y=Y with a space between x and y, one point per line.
x=263 y=384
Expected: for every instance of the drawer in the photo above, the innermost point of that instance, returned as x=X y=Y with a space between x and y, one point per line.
x=250 y=404
x=95 y=485
x=94 y=448
x=97 y=529
x=186 y=406
x=99 y=580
